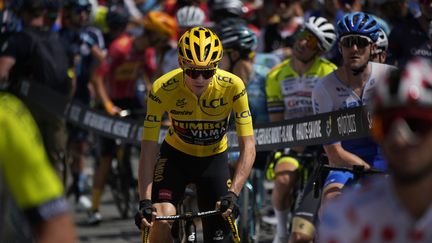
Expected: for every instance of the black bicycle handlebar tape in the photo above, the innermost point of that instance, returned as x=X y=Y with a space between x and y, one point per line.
x=306 y=214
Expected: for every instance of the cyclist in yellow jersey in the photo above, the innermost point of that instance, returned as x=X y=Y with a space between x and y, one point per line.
x=199 y=99
x=29 y=186
x=289 y=90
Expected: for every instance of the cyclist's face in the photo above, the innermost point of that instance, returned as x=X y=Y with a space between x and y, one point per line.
x=197 y=79
x=356 y=50
x=305 y=46
x=406 y=142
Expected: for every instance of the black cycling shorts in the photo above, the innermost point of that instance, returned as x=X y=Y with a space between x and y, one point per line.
x=175 y=170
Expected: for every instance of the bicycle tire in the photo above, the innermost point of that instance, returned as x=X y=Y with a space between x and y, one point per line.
x=122 y=188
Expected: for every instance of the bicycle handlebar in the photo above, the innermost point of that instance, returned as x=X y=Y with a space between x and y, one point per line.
x=192 y=215
x=189 y=215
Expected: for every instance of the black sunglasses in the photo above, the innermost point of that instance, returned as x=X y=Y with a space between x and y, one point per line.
x=359 y=41
x=194 y=73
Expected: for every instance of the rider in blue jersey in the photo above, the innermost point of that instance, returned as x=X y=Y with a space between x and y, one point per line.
x=350 y=86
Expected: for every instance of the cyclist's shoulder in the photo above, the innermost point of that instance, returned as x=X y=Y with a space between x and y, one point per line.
x=383 y=66
x=284 y=66
x=325 y=65
x=168 y=82
x=225 y=79
x=121 y=44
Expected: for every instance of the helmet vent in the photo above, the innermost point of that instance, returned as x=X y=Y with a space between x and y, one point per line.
x=214 y=56
x=189 y=54
x=196 y=34
x=206 y=50
x=197 y=50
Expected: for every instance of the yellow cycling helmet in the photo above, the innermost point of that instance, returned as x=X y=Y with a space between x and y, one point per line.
x=161 y=23
x=200 y=46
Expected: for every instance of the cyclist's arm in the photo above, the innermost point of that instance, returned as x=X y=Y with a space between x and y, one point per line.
x=149 y=142
x=6 y=64
x=98 y=53
x=338 y=156
x=99 y=86
x=148 y=158
x=245 y=137
x=244 y=163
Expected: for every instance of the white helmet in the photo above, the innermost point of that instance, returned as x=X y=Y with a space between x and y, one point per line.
x=323 y=30
x=382 y=42
x=190 y=16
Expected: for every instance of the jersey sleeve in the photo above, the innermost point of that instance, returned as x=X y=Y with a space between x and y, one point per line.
x=321 y=100
x=155 y=110
x=275 y=102
x=243 y=117
x=27 y=172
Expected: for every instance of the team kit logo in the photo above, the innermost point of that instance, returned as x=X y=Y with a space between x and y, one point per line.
x=200 y=132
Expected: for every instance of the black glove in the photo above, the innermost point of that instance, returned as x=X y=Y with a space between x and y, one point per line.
x=229 y=201
x=146 y=210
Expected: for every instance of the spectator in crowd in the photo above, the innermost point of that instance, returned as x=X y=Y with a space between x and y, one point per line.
x=410 y=37
x=278 y=35
x=36 y=54
x=289 y=95
x=397 y=208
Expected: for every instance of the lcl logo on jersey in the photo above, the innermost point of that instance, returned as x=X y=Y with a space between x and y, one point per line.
x=170 y=84
x=222 y=80
x=243 y=114
x=214 y=103
x=151 y=118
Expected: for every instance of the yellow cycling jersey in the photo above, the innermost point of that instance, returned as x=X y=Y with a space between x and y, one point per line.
x=198 y=125
x=24 y=164
x=289 y=93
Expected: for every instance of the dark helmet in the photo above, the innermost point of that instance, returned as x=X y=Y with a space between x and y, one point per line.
x=238 y=37
x=227 y=22
x=117 y=17
x=359 y=23
x=220 y=9
x=77 y=5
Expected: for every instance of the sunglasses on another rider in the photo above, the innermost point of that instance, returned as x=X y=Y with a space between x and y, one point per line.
x=311 y=40
x=194 y=73
x=349 y=41
x=417 y=120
